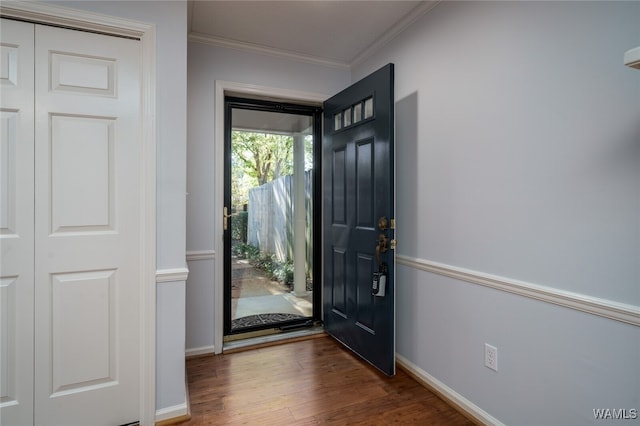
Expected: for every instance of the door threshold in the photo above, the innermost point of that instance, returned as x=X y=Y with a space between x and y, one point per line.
x=272 y=339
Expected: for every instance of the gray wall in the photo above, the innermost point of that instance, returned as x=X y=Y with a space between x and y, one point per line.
x=206 y=64
x=519 y=138
x=517 y=129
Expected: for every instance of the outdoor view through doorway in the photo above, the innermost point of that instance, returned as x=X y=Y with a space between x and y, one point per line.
x=269 y=215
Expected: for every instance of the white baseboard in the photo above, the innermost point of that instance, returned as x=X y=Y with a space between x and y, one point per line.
x=202 y=350
x=452 y=397
x=172 y=412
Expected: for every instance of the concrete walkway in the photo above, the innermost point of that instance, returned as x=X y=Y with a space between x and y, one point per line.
x=253 y=293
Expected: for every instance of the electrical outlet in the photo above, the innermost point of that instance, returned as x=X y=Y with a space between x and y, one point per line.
x=491 y=357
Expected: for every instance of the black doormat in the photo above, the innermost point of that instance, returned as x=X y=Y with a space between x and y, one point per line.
x=262 y=319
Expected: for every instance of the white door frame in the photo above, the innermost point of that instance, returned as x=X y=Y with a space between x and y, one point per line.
x=146 y=33
x=249 y=90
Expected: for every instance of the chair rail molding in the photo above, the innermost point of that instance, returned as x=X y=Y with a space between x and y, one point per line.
x=622 y=312
x=172 y=275
x=193 y=255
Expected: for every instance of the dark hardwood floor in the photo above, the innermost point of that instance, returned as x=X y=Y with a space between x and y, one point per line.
x=310 y=382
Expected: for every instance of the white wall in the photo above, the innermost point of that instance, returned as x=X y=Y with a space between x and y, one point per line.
x=518 y=134
x=171 y=71
x=206 y=64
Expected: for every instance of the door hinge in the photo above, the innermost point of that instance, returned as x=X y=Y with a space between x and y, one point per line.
x=393 y=224
x=393 y=244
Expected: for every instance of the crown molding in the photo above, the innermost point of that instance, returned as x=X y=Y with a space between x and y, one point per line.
x=395 y=30
x=71 y=18
x=256 y=48
x=389 y=35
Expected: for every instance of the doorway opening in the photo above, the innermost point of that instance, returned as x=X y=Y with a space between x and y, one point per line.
x=271 y=216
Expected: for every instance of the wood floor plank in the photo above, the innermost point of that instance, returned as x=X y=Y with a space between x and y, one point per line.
x=312 y=382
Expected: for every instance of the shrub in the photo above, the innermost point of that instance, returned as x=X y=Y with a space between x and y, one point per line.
x=275 y=270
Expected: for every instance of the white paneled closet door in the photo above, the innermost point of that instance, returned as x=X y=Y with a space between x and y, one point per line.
x=86 y=237
x=16 y=223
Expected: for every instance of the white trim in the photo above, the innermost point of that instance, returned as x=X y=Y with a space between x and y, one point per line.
x=172 y=412
x=172 y=275
x=385 y=38
x=244 y=89
x=218 y=186
x=149 y=176
x=202 y=350
x=632 y=58
x=218 y=202
x=146 y=33
x=629 y=314
x=73 y=18
x=394 y=31
x=201 y=255
x=264 y=50
x=451 y=396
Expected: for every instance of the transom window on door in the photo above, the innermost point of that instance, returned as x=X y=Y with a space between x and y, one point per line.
x=353 y=115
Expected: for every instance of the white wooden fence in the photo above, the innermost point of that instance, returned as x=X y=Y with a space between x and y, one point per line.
x=270 y=218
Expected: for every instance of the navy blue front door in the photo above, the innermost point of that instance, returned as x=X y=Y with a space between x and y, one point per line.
x=358 y=192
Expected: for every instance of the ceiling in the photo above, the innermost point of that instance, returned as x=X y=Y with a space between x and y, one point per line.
x=329 y=32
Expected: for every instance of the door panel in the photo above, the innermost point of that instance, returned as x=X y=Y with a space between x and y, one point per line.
x=358 y=191
x=87 y=228
x=270 y=218
x=16 y=223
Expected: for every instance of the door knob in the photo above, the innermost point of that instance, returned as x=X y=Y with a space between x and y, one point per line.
x=225 y=218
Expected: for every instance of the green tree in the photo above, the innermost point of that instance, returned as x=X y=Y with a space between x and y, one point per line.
x=262 y=156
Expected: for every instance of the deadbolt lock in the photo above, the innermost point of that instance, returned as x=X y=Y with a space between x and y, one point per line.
x=382 y=243
x=381 y=247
